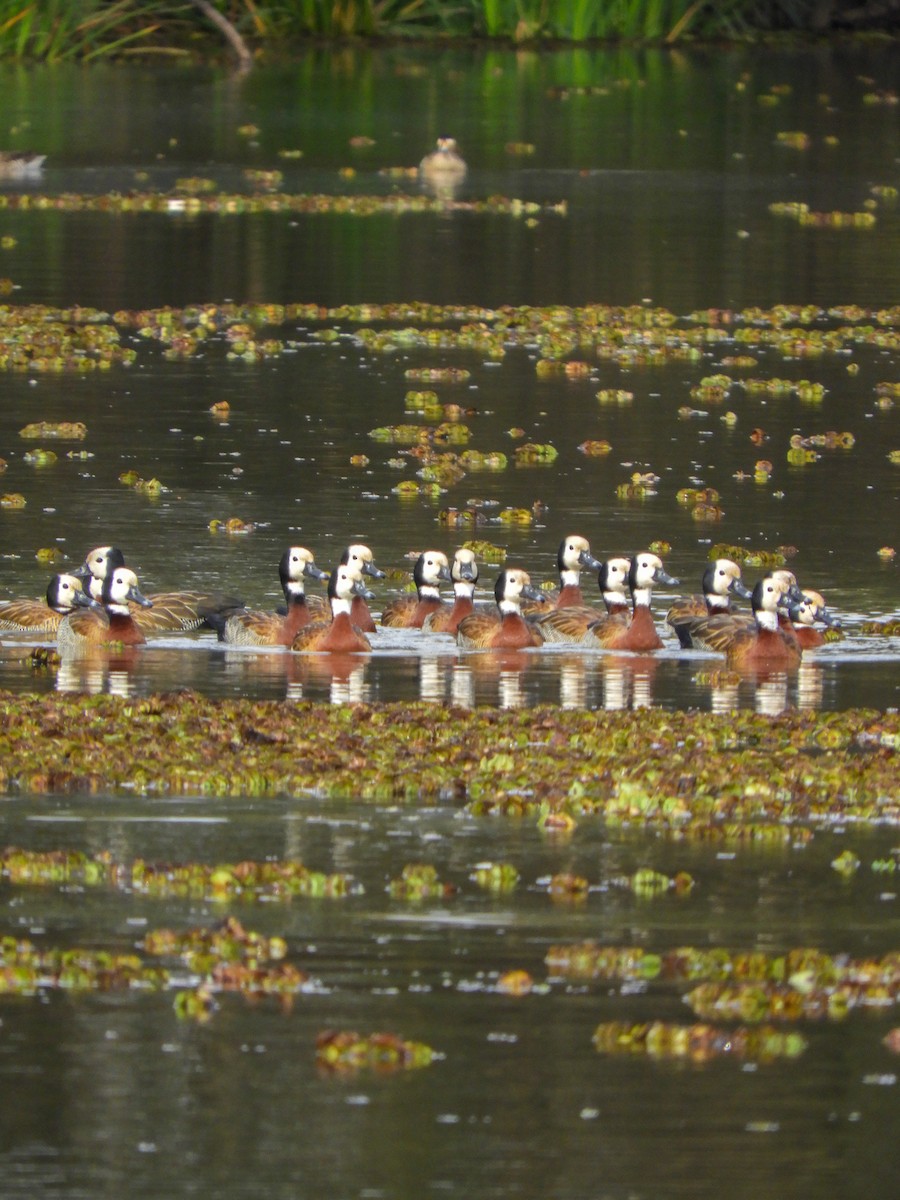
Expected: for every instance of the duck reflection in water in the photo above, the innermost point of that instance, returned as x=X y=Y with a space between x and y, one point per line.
x=341 y=678
x=627 y=681
x=97 y=677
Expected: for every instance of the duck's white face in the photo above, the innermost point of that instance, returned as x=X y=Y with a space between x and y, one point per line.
x=67 y=593
x=646 y=567
x=617 y=575
x=348 y=582
x=515 y=583
x=121 y=587
x=774 y=591
x=726 y=574
x=298 y=560
x=99 y=559
x=435 y=567
x=359 y=556
x=573 y=548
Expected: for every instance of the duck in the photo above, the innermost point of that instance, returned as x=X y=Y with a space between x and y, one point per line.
x=766 y=643
x=698 y=627
x=444 y=164
x=182 y=611
x=363 y=560
x=616 y=631
x=109 y=625
x=339 y=635
x=20 y=164
x=409 y=612
x=721 y=580
x=506 y=629
x=811 y=609
x=464 y=573
x=570 y=624
x=64 y=595
x=255 y=628
x=572 y=557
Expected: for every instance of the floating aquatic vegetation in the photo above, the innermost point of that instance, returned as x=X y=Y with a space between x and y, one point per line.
x=419 y=881
x=49 y=554
x=807 y=968
x=486 y=551
x=889 y=628
x=515 y=983
x=495 y=877
x=147 y=487
x=438 y=374
x=491 y=460
x=746 y=556
x=358 y=460
x=233 y=526
x=268 y=179
x=246 y=880
x=519 y=149
x=532 y=453
x=568 y=888
x=68 y=430
x=795 y=139
x=615 y=396
x=515 y=516
x=40 y=458
x=697 y=1043
x=823 y=220
x=595 y=448
x=886 y=553
x=846 y=864
x=647 y=883
x=688 y=772
x=780 y=1002
x=688 y=496
x=194 y=185
x=344 y=1052
x=228 y=204
x=12 y=500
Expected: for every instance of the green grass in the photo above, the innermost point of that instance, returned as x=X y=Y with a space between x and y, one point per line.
x=55 y=30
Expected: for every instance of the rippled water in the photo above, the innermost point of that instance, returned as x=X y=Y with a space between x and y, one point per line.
x=668 y=176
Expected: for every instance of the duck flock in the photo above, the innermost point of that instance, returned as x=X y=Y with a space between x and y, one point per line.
x=100 y=607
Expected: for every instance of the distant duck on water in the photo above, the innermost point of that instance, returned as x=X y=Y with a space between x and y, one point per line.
x=15 y=164
x=444 y=164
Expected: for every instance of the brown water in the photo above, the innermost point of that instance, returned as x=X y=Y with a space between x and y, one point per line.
x=663 y=176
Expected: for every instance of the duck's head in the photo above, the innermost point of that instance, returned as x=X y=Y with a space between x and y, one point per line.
x=812 y=608
x=512 y=587
x=645 y=572
x=771 y=593
x=362 y=558
x=447 y=145
x=297 y=562
x=431 y=569
x=346 y=582
x=120 y=588
x=792 y=595
x=613 y=577
x=574 y=555
x=65 y=594
x=723 y=578
x=465 y=566
x=99 y=562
